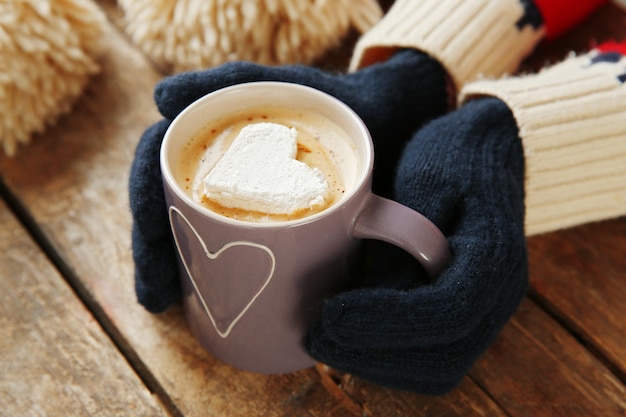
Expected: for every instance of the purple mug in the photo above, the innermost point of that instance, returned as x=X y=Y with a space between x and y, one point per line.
x=251 y=289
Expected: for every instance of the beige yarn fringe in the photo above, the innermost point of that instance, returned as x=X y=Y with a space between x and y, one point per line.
x=183 y=35
x=46 y=57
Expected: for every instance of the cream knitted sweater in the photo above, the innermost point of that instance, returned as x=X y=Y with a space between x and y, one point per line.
x=572 y=122
x=572 y=118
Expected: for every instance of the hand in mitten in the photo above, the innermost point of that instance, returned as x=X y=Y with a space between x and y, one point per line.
x=393 y=98
x=464 y=171
x=564 y=129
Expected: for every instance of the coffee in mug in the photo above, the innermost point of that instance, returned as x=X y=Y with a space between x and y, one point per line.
x=321 y=145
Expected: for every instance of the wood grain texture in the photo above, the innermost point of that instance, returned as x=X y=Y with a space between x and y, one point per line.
x=579 y=275
x=55 y=359
x=537 y=368
x=73 y=182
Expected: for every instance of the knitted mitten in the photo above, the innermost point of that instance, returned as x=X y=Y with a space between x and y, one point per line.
x=393 y=98
x=464 y=171
x=572 y=120
x=470 y=37
x=559 y=135
x=156 y=271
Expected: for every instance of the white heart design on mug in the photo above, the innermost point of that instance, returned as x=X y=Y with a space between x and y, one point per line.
x=224 y=325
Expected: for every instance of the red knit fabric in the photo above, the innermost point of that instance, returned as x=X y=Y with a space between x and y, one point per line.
x=613 y=47
x=561 y=15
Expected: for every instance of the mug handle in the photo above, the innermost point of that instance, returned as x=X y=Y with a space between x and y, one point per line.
x=391 y=222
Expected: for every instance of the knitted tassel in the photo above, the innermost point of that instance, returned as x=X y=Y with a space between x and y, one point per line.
x=47 y=51
x=182 y=35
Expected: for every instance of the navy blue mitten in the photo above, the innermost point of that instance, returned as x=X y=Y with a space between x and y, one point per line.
x=156 y=273
x=394 y=98
x=465 y=172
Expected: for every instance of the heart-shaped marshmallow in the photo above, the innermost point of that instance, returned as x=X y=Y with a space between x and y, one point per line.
x=259 y=172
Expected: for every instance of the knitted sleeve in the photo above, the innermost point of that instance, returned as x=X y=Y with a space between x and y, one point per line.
x=572 y=123
x=470 y=37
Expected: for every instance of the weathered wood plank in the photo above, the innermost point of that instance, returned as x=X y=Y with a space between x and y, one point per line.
x=73 y=180
x=580 y=276
x=536 y=368
x=55 y=359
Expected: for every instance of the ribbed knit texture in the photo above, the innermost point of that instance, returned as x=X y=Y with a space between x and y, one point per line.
x=572 y=121
x=389 y=97
x=464 y=171
x=157 y=283
x=469 y=37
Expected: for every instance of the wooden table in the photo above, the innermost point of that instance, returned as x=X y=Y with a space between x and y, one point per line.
x=74 y=341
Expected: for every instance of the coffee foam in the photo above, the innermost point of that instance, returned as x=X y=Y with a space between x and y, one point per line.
x=259 y=172
x=321 y=143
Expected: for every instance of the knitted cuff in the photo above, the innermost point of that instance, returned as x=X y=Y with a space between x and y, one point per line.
x=468 y=37
x=572 y=122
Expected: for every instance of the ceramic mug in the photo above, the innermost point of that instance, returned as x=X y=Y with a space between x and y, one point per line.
x=251 y=289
